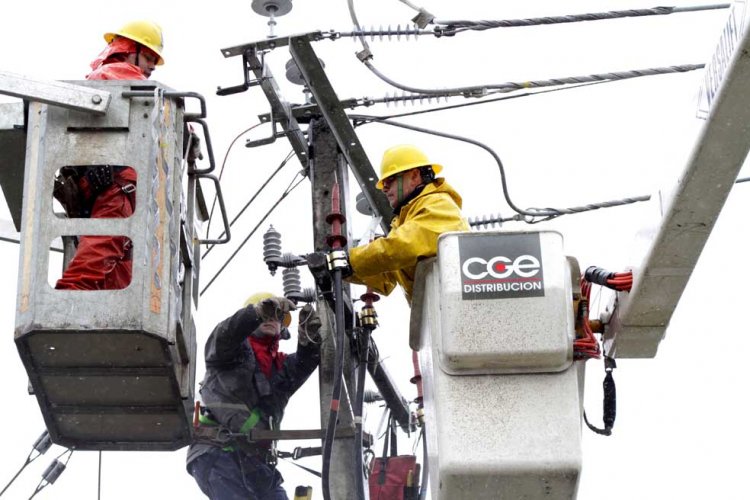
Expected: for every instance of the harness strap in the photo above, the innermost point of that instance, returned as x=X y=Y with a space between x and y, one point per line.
x=212 y=431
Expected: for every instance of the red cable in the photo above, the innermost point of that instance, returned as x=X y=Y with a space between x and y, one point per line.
x=587 y=347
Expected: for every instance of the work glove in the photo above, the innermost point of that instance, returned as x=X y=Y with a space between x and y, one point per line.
x=308 y=330
x=194 y=152
x=273 y=309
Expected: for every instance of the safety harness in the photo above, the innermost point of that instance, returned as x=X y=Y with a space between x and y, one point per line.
x=77 y=188
x=209 y=431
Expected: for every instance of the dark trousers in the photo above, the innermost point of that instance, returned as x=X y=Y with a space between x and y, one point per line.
x=234 y=475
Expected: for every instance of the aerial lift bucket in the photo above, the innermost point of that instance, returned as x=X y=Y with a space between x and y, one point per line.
x=492 y=318
x=112 y=369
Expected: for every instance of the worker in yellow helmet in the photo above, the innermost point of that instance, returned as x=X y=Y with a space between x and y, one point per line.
x=132 y=53
x=424 y=207
x=247 y=386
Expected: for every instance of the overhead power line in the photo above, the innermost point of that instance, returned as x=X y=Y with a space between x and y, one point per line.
x=529 y=215
x=366 y=56
x=486 y=221
x=451 y=27
x=531 y=212
x=286 y=193
x=260 y=189
x=485 y=89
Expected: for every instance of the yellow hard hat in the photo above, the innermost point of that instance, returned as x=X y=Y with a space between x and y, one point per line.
x=402 y=158
x=260 y=296
x=146 y=33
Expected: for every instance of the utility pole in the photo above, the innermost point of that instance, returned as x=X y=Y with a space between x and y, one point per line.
x=326 y=168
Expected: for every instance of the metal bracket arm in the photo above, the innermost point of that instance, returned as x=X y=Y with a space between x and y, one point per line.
x=65 y=95
x=333 y=112
x=280 y=109
x=270 y=44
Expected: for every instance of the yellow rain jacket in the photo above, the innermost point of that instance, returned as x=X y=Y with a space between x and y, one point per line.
x=383 y=263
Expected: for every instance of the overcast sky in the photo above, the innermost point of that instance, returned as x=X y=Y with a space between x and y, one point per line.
x=680 y=429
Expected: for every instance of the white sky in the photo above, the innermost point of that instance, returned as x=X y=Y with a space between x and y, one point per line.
x=679 y=431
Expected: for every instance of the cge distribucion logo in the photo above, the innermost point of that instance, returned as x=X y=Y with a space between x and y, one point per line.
x=501 y=266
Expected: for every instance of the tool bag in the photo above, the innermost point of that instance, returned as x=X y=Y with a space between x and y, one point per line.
x=394 y=476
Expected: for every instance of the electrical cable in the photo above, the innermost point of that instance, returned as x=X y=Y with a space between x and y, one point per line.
x=262 y=187
x=609 y=400
x=481 y=90
x=486 y=221
x=444 y=29
x=620 y=282
x=337 y=241
x=366 y=56
x=482 y=101
x=41 y=445
x=425 y=466
x=53 y=471
x=366 y=48
x=588 y=346
x=99 y=483
x=359 y=400
x=337 y=382
x=546 y=212
x=286 y=193
x=530 y=215
x=452 y=27
x=221 y=172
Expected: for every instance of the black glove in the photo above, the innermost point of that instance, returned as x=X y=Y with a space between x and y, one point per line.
x=194 y=153
x=308 y=330
x=274 y=308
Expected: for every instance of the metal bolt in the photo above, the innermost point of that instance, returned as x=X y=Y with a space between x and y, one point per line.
x=97 y=99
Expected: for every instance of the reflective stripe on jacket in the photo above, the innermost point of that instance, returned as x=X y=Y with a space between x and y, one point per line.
x=385 y=262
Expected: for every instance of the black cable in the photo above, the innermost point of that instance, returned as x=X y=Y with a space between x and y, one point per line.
x=609 y=402
x=486 y=221
x=484 y=101
x=338 y=377
x=41 y=445
x=451 y=27
x=308 y=469
x=281 y=198
x=359 y=401
x=27 y=462
x=548 y=212
x=262 y=187
x=53 y=471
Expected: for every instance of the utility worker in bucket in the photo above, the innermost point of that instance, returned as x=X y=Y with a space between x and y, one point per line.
x=247 y=386
x=108 y=191
x=424 y=207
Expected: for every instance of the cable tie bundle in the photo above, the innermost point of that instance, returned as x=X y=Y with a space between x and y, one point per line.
x=621 y=282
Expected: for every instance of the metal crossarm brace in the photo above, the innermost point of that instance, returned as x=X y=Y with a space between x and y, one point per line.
x=280 y=109
x=270 y=44
x=348 y=142
x=61 y=94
